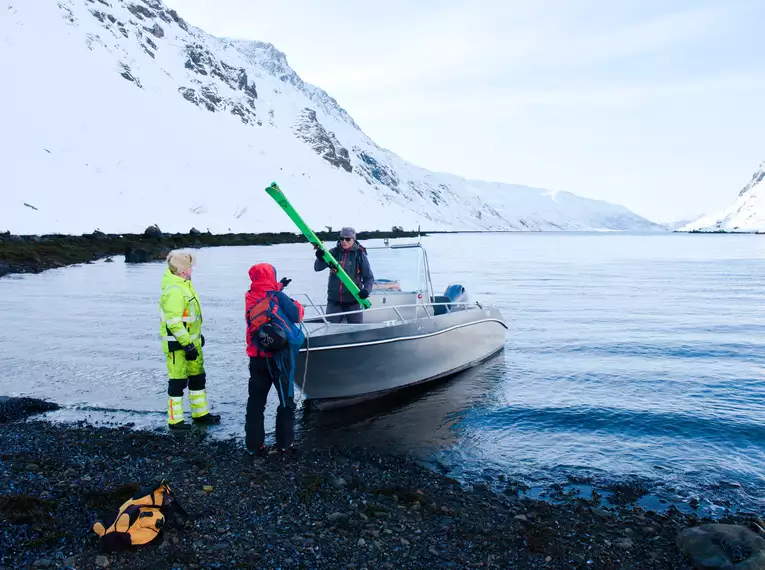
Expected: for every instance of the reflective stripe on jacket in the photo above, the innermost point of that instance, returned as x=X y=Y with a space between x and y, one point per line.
x=180 y=313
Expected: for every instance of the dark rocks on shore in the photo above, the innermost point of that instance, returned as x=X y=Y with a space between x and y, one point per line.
x=153 y=232
x=142 y=255
x=723 y=547
x=325 y=508
x=12 y=409
x=33 y=254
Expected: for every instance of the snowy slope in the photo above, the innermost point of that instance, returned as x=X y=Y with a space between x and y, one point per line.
x=678 y=224
x=121 y=115
x=746 y=214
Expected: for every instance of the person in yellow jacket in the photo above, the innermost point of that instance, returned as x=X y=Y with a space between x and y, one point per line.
x=182 y=341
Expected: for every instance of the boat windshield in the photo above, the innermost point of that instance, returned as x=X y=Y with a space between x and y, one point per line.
x=401 y=278
x=399 y=269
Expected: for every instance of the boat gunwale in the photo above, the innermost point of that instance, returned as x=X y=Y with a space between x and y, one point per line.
x=401 y=338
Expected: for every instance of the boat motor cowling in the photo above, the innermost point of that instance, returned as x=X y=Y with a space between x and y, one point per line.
x=456 y=293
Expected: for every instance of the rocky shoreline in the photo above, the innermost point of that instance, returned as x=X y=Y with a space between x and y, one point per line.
x=324 y=508
x=34 y=254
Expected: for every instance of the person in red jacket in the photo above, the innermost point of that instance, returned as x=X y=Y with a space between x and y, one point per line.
x=272 y=320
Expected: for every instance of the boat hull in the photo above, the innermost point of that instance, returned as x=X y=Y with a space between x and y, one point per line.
x=346 y=368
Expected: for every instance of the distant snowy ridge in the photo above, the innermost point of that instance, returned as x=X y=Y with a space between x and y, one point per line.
x=677 y=224
x=121 y=115
x=746 y=214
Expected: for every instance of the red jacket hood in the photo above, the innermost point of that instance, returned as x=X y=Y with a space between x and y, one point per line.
x=263 y=279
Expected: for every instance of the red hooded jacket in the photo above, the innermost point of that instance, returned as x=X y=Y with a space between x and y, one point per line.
x=263 y=283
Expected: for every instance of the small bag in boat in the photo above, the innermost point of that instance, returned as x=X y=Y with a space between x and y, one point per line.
x=140 y=520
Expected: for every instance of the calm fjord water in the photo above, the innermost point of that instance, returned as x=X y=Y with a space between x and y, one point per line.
x=629 y=358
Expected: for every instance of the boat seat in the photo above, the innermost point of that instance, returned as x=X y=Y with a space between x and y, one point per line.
x=440 y=309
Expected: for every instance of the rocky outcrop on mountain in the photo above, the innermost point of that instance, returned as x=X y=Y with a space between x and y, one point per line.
x=199 y=59
x=266 y=57
x=757 y=177
x=428 y=192
x=322 y=141
x=375 y=172
x=203 y=63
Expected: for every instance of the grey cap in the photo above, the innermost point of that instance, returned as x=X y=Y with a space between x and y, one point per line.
x=348 y=232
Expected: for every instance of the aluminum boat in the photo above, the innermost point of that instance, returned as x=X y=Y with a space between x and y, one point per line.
x=409 y=336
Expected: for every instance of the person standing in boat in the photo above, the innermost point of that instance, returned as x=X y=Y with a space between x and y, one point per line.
x=352 y=256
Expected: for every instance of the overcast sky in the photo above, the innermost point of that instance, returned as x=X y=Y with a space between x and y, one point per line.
x=658 y=105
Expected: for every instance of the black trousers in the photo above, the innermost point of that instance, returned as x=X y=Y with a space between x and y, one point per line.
x=263 y=374
x=176 y=387
x=332 y=308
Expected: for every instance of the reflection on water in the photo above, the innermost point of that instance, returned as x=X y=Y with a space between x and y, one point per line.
x=416 y=420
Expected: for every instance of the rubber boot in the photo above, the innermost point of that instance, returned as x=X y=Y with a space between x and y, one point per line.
x=207 y=419
x=260 y=453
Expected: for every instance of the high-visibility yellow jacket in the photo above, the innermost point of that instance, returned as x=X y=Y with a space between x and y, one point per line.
x=180 y=313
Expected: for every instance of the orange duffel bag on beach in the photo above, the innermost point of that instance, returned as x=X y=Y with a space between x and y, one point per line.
x=140 y=520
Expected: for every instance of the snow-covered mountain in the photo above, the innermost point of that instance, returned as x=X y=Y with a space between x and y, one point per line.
x=677 y=224
x=746 y=214
x=117 y=114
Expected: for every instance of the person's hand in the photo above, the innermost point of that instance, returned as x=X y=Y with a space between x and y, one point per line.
x=318 y=252
x=363 y=294
x=191 y=351
x=284 y=281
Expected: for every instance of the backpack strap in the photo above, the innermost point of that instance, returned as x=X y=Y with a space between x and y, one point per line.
x=359 y=256
x=174 y=507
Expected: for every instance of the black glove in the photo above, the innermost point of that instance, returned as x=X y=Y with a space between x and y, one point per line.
x=363 y=294
x=284 y=281
x=191 y=351
x=319 y=253
x=203 y=340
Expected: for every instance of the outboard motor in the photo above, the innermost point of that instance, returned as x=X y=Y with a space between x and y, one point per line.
x=453 y=294
x=456 y=293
